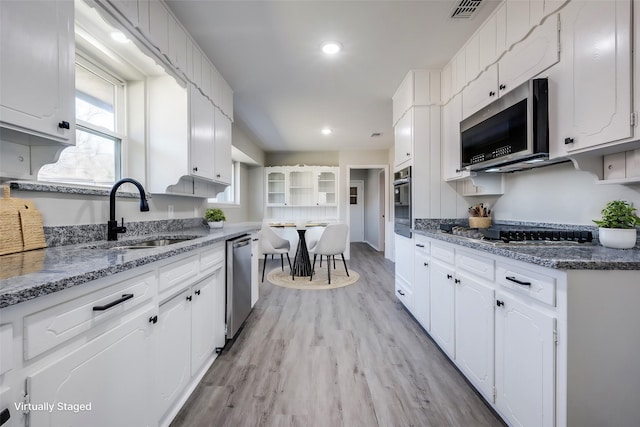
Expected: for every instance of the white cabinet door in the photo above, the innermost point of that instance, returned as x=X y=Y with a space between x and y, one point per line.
x=202 y=135
x=277 y=186
x=451 y=118
x=222 y=156
x=203 y=321
x=525 y=362
x=159 y=27
x=517 y=21
x=596 y=101
x=421 y=288
x=128 y=9
x=37 y=68
x=474 y=332
x=327 y=187
x=487 y=43
x=173 y=350
x=480 y=92
x=112 y=373
x=403 y=137
x=530 y=57
x=472 y=58
x=177 y=45
x=442 y=306
x=404 y=259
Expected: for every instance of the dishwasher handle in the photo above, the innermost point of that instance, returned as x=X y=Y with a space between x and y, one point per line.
x=241 y=243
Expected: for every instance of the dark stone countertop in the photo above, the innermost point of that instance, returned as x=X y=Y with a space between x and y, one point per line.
x=584 y=256
x=28 y=275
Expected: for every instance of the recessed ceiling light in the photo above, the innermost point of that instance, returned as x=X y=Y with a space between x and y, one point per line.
x=326 y=131
x=119 y=37
x=331 y=48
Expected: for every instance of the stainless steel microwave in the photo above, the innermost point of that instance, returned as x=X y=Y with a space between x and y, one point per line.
x=511 y=133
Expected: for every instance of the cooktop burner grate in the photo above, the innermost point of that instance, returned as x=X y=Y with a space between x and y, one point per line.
x=516 y=233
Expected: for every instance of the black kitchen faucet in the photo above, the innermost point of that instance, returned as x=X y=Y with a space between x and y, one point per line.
x=112 y=224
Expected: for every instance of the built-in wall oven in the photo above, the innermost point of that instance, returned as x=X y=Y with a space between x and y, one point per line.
x=402 y=201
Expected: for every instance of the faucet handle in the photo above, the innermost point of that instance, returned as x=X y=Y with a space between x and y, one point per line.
x=123 y=229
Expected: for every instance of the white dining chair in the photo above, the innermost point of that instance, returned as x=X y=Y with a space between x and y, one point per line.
x=272 y=244
x=332 y=242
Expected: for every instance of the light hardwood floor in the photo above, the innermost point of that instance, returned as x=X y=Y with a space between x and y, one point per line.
x=351 y=356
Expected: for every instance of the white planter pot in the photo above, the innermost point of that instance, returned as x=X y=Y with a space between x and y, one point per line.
x=216 y=224
x=617 y=238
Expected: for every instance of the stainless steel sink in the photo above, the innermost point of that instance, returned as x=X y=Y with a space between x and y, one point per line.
x=149 y=244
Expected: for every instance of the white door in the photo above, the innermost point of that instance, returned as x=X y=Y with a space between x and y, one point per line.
x=111 y=373
x=173 y=354
x=356 y=211
x=525 y=363
x=442 y=305
x=474 y=332
x=381 y=206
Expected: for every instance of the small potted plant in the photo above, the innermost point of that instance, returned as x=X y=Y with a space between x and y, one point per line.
x=215 y=217
x=618 y=225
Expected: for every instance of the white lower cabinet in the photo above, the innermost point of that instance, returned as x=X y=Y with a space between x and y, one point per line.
x=525 y=362
x=173 y=351
x=124 y=350
x=474 y=326
x=421 y=283
x=442 y=305
x=404 y=270
x=103 y=383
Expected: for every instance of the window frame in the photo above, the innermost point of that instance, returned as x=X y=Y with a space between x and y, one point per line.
x=92 y=65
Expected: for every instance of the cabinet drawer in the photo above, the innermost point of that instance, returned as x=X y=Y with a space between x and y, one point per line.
x=212 y=258
x=444 y=253
x=533 y=284
x=422 y=244
x=178 y=273
x=478 y=265
x=404 y=294
x=50 y=327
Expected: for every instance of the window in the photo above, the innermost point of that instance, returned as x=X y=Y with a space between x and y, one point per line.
x=96 y=158
x=231 y=195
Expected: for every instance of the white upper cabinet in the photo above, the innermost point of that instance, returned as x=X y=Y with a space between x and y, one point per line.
x=178 y=45
x=530 y=57
x=594 y=86
x=488 y=43
x=403 y=140
x=196 y=66
x=451 y=118
x=517 y=15
x=301 y=186
x=419 y=87
x=158 y=34
x=222 y=148
x=527 y=59
x=202 y=137
x=37 y=68
x=205 y=78
x=480 y=92
x=128 y=9
x=472 y=58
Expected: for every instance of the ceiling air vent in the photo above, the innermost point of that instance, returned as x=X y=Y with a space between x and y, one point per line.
x=465 y=9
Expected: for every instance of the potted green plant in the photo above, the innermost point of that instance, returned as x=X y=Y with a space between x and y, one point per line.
x=215 y=217
x=618 y=225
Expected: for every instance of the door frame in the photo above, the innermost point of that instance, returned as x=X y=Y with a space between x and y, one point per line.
x=387 y=217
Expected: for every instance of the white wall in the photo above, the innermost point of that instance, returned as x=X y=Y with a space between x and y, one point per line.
x=558 y=194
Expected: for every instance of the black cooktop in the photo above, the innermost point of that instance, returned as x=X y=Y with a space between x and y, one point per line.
x=519 y=233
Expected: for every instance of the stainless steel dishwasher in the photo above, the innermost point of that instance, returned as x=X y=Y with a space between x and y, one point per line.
x=238 y=283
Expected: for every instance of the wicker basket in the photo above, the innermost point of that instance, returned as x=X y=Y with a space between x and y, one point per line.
x=479 y=221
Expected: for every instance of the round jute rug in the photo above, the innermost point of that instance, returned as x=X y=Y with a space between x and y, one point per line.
x=339 y=279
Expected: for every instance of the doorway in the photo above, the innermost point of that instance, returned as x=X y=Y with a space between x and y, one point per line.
x=367 y=205
x=356 y=209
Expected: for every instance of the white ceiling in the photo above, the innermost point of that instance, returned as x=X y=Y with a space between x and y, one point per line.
x=286 y=90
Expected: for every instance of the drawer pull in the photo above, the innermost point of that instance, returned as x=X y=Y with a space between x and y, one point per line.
x=420 y=245
x=519 y=282
x=112 y=303
x=400 y=292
